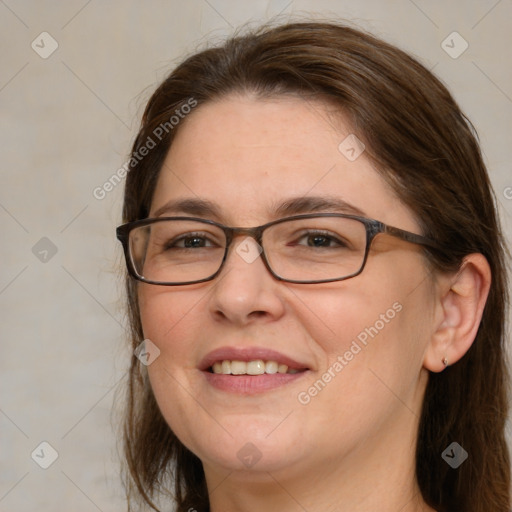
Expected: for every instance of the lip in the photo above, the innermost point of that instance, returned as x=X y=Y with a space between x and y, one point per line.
x=250 y=384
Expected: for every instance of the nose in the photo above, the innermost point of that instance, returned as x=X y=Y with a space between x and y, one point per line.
x=245 y=290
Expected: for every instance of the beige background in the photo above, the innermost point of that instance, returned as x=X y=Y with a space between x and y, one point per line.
x=66 y=124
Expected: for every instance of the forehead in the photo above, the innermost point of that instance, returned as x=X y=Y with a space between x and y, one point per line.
x=248 y=155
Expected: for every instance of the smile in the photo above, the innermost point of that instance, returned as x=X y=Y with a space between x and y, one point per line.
x=256 y=367
x=250 y=370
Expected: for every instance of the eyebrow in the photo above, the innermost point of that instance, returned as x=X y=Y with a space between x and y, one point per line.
x=311 y=204
x=189 y=206
x=292 y=206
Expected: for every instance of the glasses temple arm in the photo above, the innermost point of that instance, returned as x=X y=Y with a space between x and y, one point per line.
x=411 y=237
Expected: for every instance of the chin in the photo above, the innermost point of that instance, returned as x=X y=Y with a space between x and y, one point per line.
x=254 y=445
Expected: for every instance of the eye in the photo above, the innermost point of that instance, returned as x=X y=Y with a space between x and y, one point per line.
x=320 y=239
x=190 y=241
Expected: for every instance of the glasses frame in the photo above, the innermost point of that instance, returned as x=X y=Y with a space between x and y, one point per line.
x=373 y=228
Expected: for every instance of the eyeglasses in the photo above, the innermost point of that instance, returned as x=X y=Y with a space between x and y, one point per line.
x=304 y=249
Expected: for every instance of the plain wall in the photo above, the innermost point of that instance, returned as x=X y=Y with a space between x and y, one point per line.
x=66 y=124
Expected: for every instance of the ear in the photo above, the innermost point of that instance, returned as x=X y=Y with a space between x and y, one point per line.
x=460 y=301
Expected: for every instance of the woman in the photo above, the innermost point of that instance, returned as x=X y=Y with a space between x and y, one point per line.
x=347 y=353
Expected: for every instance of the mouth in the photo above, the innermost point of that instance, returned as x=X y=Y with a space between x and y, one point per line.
x=250 y=370
x=255 y=367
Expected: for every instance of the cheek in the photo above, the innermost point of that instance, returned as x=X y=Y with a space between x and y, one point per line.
x=174 y=322
x=373 y=363
x=171 y=320
x=164 y=312
x=337 y=317
x=381 y=327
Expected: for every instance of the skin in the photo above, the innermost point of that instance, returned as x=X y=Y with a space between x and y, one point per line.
x=351 y=448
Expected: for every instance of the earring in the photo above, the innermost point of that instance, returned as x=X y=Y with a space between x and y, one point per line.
x=445 y=361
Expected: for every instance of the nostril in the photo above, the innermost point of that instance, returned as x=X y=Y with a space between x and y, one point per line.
x=258 y=314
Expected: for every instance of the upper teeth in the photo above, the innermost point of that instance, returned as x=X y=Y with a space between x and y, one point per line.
x=257 y=367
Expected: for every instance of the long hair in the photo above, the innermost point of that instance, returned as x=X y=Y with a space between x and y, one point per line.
x=424 y=146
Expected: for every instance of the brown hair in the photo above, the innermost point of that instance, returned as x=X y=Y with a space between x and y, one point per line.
x=424 y=146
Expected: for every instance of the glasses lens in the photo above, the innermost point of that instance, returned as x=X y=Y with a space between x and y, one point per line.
x=315 y=249
x=176 y=251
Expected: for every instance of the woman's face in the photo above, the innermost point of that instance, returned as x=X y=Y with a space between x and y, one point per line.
x=359 y=343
